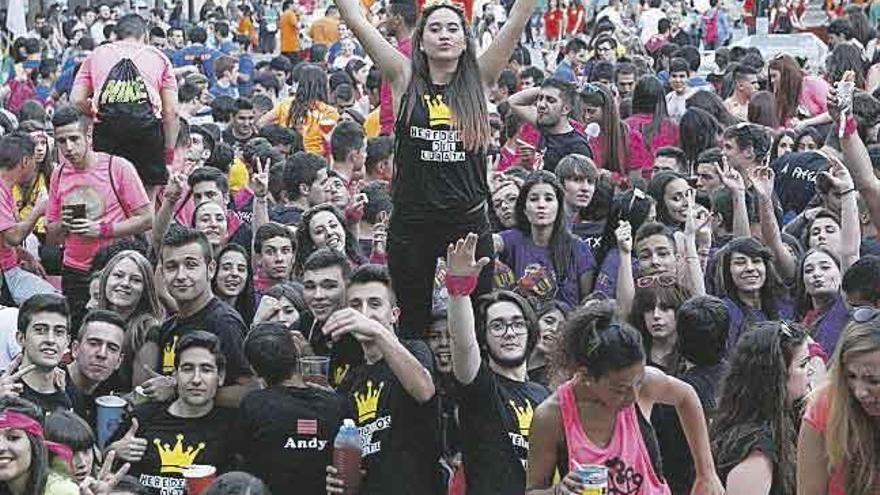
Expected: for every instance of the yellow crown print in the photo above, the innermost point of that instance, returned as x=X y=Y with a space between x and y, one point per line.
x=438 y=112
x=168 y=356
x=523 y=417
x=176 y=459
x=368 y=402
x=339 y=374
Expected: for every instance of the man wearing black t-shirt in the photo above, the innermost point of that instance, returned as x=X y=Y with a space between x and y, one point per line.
x=287 y=428
x=496 y=400
x=43 y=334
x=188 y=267
x=548 y=108
x=162 y=439
x=392 y=396
x=97 y=354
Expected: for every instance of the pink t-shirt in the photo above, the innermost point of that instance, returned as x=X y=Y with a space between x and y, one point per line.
x=626 y=455
x=154 y=67
x=641 y=154
x=814 y=95
x=8 y=219
x=816 y=416
x=386 y=103
x=70 y=186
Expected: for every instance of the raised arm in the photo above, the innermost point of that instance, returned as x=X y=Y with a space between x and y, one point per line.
x=812 y=462
x=523 y=104
x=686 y=245
x=462 y=330
x=626 y=289
x=495 y=58
x=850 y=230
x=734 y=182
x=762 y=179
x=394 y=66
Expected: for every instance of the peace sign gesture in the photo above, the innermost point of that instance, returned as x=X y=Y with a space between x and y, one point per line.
x=260 y=178
x=10 y=380
x=106 y=480
x=730 y=177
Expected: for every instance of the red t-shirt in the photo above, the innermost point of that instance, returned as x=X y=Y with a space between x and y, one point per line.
x=553 y=23
x=575 y=19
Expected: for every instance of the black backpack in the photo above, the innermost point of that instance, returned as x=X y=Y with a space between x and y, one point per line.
x=124 y=96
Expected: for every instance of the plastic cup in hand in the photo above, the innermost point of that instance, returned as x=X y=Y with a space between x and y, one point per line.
x=110 y=411
x=315 y=369
x=198 y=478
x=594 y=478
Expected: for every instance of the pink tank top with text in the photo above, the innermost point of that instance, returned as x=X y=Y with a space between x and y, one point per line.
x=626 y=457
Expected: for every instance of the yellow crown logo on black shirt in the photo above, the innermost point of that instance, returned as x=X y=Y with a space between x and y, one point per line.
x=368 y=402
x=523 y=417
x=438 y=112
x=176 y=459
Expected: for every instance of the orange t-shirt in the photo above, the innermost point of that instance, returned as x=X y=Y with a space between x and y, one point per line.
x=288 y=24
x=325 y=30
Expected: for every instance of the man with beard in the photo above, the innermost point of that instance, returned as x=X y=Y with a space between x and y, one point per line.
x=548 y=108
x=392 y=393
x=496 y=399
x=97 y=354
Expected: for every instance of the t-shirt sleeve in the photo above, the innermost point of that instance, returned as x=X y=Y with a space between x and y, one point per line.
x=7 y=210
x=53 y=208
x=481 y=390
x=84 y=76
x=816 y=414
x=231 y=331
x=511 y=239
x=168 y=80
x=128 y=185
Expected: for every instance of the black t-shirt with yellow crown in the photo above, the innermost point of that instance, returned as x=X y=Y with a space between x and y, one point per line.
x=218 y=318
x=434 y=175
x=401 y=437
x=495 y=415
x=174 y=442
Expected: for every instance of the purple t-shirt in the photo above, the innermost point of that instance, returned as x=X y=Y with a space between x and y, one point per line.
x=526 y=258
x=741 y=318
x=606 y=279
x=827 y=328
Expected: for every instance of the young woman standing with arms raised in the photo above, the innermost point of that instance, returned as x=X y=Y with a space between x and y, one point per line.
x=442 y=129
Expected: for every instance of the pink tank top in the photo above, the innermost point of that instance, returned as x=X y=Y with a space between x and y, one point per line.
x=629 y=464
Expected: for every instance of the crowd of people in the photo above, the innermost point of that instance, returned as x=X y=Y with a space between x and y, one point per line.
x=607 y=259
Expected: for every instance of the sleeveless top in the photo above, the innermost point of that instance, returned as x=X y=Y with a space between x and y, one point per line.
x=631 y=469
x=434 y=176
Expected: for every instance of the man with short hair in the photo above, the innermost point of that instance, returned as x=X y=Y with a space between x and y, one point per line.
x=669 y=159
x=708 y=163
x=197 y=53
x=176 y=38
x=625 y=79
x=576 y=54
x=288 y=24
x=349 y=150
x=94 y=198
x=325 y=274
x=288 y=427
x=274 y=246
x=97 y=354
x=548 y=108
x=16 y=162
x=531 y=77
x=162 y=438
x=44 y=335
x=187 y=266
x=392 y=393
x=679 y=74
x=496 y=399
x=123 y=115
x=304 y=174
x=243 y=127
x=746 y=146
x=654 y=249
x=578 y=176
x=226 y=77
x=861 y=282
x=379 y=164
x=745 y=80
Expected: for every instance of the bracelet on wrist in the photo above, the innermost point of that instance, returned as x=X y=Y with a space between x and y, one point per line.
x=106 y=230
x=460 y=285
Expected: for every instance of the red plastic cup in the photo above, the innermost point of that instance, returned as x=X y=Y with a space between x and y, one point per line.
x=198 y=478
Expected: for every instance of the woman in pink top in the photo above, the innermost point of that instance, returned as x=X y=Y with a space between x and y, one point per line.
x=610 y=148
x=798 y=96
x=650 y=119
x=598 y=416
x=841 y=426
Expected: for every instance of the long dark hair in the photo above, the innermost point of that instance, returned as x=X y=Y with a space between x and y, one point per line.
x=305 y=246
x=753 y=400
x=311 y=88
x=804 y=303
x=772 y=288
x=788 y=87
x=633 y=206
x=244 y=303
x=464 y=94
x=614 y=135
x=38 y=471
x=714 y=105
x=657 y=190
x=762 y=110
x=562 y=241
x=698 y=131
x=644 y=301
x=649 y=97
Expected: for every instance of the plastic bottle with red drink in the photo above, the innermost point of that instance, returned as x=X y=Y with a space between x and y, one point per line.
x=347 y=452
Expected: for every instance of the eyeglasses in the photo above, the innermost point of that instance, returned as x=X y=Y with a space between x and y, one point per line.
x=656 y=281
x=498 y=328
x=865 y=314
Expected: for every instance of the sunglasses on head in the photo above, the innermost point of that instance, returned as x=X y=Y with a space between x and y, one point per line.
x=865 y=314
x=649 y=281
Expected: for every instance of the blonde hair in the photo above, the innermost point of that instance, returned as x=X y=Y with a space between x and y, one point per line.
x=851 y=435
x=148 y=308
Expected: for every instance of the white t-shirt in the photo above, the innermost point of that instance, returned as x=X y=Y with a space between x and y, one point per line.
x=648 y=23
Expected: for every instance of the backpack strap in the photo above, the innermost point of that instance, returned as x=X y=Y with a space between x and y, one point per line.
x=115 y=192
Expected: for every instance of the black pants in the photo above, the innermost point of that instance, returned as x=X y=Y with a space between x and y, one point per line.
x=413 y=249
x=75 y=287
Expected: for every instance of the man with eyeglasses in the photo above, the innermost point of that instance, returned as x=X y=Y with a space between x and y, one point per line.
x=496 y=398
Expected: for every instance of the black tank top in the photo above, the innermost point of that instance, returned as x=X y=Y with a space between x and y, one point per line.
x=433 y=174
